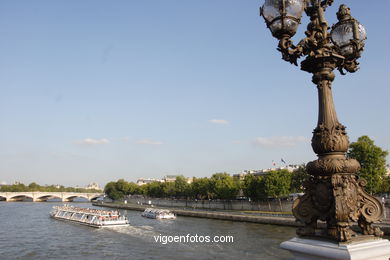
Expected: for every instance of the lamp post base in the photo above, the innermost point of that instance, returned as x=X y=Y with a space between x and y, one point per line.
x=314 y=249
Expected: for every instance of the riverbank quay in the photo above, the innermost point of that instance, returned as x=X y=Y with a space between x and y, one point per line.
x=261 y=217
x=273 y=218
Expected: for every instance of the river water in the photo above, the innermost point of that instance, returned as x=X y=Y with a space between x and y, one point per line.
x=27 y=232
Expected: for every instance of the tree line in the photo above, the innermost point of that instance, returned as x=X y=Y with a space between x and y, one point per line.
x=372 y=160
x=20 y=187
x=275 y=184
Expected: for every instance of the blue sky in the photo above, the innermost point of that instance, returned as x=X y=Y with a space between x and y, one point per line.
x=101 y=90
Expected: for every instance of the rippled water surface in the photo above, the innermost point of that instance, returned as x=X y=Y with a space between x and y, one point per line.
x=27 y=232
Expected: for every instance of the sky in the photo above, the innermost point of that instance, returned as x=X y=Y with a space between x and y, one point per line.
x=98 y=90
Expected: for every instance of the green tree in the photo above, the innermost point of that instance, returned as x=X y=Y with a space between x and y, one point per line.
x=253 y=187
x=200 y=188
x=224 y=186
x=154 y=189
x=34 y=187
x=385 y=187
x=122 y=186
x=142 y=190
x=277 y=183
x=19 y=187
x=182 y=188
x=169 y=190
x=372 y=161
x=133 y=188
x=298 y=177
x=112 y=192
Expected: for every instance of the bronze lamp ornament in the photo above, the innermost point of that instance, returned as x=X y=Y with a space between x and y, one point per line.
x=283 y=17
x=334 y=193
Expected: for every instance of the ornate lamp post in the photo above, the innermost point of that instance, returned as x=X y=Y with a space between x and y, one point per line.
x=333 y=193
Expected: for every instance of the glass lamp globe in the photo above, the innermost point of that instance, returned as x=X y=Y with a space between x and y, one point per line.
x=347 y=33
x=282 y=16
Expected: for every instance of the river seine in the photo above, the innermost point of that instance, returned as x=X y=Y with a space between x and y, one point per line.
x=27 y=232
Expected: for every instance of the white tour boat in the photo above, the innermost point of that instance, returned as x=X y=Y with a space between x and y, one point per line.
x=158 y=214
x=91 y=217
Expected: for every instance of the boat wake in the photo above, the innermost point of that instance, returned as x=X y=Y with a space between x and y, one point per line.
x=149 y=234
x=145 y=232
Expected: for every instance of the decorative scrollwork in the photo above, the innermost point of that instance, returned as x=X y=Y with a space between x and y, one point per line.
x=346 y=196
x=326 y=3
x=332 y=166
x=339 y=199
x=304 y=212
x=290 y=52
x=303 y=209
x=371 y=209
x=329 y=139
x=362 y=182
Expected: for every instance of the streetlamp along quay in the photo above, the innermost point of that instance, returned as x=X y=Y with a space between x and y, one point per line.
x=334 y=193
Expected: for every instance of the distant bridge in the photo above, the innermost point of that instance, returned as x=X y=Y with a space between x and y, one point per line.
x=44 y=196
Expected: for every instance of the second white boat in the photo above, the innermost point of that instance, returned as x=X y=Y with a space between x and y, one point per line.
x=158 y=214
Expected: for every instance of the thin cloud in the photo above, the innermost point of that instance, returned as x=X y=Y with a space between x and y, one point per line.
x=149 y=142
x=91 y=141
x=280 y=141
x=219 y=121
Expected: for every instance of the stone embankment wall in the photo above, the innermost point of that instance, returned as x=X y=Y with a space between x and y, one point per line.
x=243 y=205
x=274 y=206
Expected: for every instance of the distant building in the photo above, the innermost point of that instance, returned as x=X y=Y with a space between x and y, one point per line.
x=93 y=186
x=170 y=178
x=241 y=175
x=167 y=178
x=143 y=181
